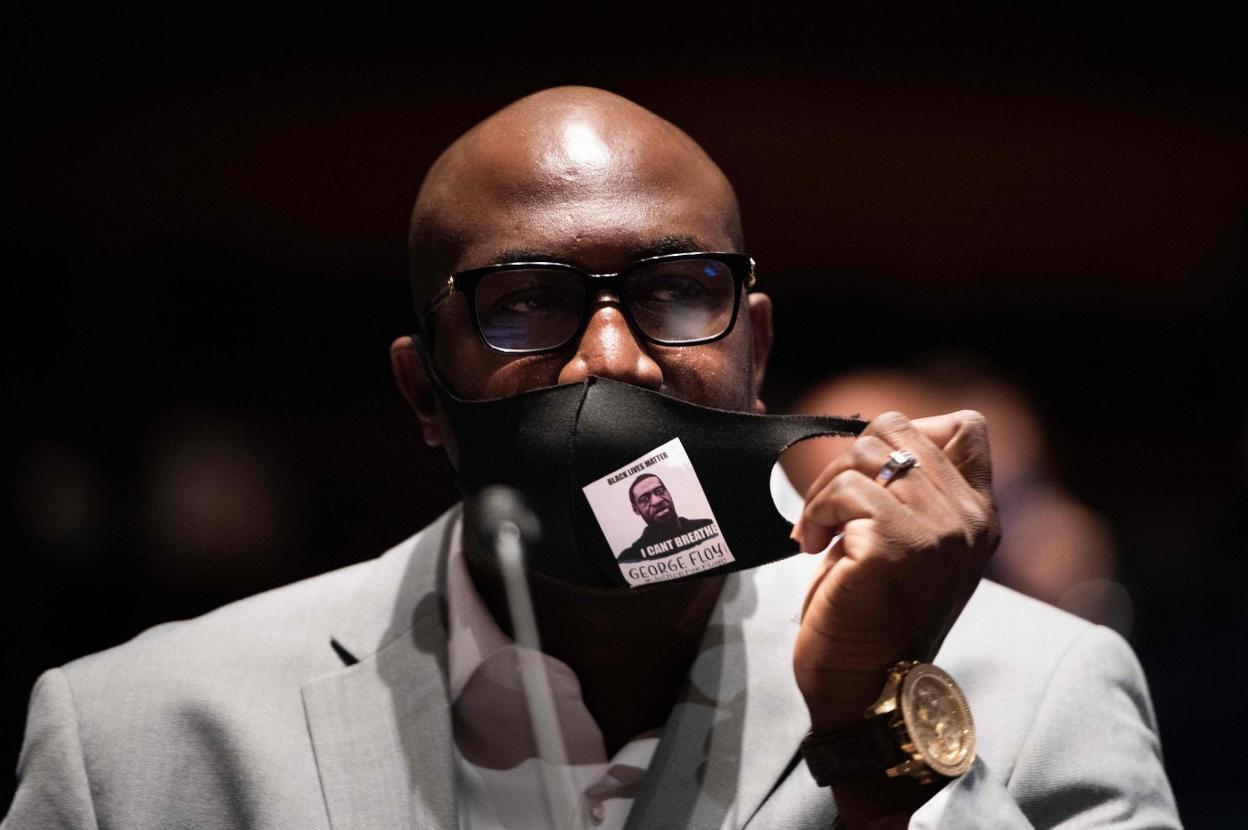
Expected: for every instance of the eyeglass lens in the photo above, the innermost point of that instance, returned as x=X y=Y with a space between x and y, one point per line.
x=541 y=308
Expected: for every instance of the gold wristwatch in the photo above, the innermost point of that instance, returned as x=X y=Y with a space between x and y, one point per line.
x=920 y=727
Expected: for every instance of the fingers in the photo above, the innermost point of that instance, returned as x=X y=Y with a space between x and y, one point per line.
x=963 y=438
x=950 y=484
x=866 y=455
x=848 y=496
x=900 y=433
x=953 y=448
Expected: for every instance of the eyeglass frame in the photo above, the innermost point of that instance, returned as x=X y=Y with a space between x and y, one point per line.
x=741 y=266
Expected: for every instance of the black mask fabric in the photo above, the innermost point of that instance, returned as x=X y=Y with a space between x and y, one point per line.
x=633 y=487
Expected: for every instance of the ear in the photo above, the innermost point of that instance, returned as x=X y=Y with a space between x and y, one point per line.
x=411 y=375
x=759 y=308
x=634 y=504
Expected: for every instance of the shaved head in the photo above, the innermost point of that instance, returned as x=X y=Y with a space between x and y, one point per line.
x=555 y=159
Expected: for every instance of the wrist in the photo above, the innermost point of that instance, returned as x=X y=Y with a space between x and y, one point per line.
x=919 y=727
x=836 y=701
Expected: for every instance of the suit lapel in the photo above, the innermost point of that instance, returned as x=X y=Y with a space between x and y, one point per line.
x=381 y=728
x=775 y=718
x=729 y=743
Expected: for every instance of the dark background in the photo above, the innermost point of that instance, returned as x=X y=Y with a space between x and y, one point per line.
x=205 y=234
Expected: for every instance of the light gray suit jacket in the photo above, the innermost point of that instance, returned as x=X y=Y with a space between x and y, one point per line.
x=324 y=705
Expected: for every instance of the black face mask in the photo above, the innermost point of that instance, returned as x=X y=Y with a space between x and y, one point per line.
x=633 y=487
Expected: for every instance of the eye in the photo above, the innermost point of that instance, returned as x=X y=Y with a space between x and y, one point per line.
x=531 y=300
x=672 y=288
x=529 y=293
x=685 y=284
x=528 y=308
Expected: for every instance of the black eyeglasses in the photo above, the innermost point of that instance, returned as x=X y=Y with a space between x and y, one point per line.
x=672 y=300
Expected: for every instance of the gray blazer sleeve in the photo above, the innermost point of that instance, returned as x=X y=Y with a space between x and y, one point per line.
x=1090 y=758
x=52 y=789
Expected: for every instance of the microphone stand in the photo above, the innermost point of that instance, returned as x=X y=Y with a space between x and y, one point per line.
x=509 y=515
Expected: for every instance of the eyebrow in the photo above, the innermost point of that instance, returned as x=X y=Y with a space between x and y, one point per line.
x=668 y=244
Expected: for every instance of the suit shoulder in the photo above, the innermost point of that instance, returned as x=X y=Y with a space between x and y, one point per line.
x=277 y=638
x=1013 y=620
x=1007 y=650
x=1004 y=633
x=203 y=703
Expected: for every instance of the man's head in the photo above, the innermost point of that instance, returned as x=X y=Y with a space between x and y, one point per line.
x=580 y=176
x=651 y=500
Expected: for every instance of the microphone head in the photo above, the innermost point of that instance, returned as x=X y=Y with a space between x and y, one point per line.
x=497 y=505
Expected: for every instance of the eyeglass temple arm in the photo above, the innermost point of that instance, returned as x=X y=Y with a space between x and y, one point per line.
x=442 y=294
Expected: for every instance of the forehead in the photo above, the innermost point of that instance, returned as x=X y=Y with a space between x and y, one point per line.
x=647 y=485
x=583 y=199
x=599 y=236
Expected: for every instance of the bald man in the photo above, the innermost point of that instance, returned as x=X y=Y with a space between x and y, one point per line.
x=387 y=694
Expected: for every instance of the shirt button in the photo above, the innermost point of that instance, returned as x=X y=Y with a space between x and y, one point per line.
x=596 y=812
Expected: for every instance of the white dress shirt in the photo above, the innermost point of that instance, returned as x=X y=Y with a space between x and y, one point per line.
x=497 y=765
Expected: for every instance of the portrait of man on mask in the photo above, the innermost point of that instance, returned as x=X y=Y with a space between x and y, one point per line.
x=651 y=500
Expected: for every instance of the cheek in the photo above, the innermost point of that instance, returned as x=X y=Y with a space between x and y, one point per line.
x=719 y=374
x=475 y=372
x=502 y=376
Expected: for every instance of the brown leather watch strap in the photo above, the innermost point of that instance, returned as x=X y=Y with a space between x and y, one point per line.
x=860 y=750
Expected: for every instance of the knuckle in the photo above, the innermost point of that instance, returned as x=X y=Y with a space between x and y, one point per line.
x=922 y=539
x=992 y=529
x=951 y=536
x=860 y=451
x=844 y=482
x=837 y=484
x=854 y=480
x=971 y=535
x=890 y=422
x=982 y=530
x=973 y=421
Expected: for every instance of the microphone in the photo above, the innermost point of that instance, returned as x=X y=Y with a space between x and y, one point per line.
x=498 y=506
x=505 y=526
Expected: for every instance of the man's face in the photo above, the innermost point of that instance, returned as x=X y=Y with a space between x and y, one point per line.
x=599 y=204
x=652 y=502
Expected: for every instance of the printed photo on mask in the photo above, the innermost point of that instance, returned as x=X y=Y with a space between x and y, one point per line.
x=656 y=519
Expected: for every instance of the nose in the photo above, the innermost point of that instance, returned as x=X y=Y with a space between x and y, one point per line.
x=608 y=348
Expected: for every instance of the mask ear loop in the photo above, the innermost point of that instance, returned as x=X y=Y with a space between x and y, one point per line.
x=803 y=428
x=828 y=426
x=806 y=427
x=435 y=377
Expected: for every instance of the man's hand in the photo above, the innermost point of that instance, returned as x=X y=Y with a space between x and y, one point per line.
x=911 y=555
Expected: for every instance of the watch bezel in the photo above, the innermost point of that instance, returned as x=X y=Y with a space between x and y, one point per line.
x=925 y=763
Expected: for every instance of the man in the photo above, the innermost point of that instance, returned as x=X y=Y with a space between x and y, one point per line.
x=338 y=702
x=651 y=501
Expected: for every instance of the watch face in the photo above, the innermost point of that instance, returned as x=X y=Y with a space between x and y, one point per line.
x=938 y=719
